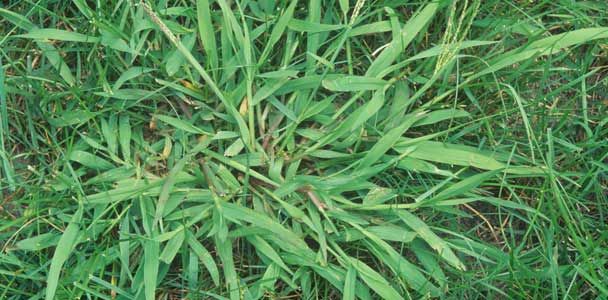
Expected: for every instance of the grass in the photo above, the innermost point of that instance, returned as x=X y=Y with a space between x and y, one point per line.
x=303 y=149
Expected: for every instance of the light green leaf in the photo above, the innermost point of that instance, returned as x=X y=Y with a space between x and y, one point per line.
x=374 y=280
x=62 y=253
x=205 y=257
x=124 y=134
x=461 y=156
x=465 y=185
x=235 y=148
x=207 y=32
x=38 y=242
x=72 y=117
x=59 y=35
x=181 y=124
x=353 y=83
x=176 y=59
x=172 y=247
x=278 y=30
x=408 y=32
x=387 y=141
x=268 y=89
x=90 y=160
x=441 y=115
x=546 y=46
x=129 y=74
x=312 y=27
x=151 y=264
x=425 y=233
x=349 y=284
x=266 y=249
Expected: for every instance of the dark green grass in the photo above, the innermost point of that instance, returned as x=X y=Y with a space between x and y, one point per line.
x=303 y=149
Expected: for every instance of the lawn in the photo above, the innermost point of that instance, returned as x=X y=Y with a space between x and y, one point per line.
x=303 y=149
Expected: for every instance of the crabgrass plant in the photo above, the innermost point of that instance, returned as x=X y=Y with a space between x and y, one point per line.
x=216 y=149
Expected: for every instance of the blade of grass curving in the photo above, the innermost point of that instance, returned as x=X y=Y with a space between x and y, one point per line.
x=425 y=233
x=547 y=46
x=374 y=280
x=62 y=252
x=204 y=256
x=408 y=32
x=387 y=141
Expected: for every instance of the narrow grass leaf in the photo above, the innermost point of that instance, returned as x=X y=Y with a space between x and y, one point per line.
x=418 y=165
x=235 y=148
x=350 y=281
x=181 y=124
x=374 y=280
x=312 y=27
x=465 y=185
x=546 y=46
x=353 y=83
x=237 y=212
x=353 y=121
x=207 y=32
x=4 y=130
x=205 y=257
x=283 y=109
x=176 y=59
x=17 y=19
x=115 y=41
x=90 y=160
x=304 y=83
x=461 y=156
x=268 y=89
x=59 y=35
x=408 y=32
x=62 y=253
x=39 y=242
x=425 y=233
x=124 y=133
x=72 y=117
x=278 y=30
x=172 y=247
x=127 y=94
x=371 y=28
x=131 y=73
x=266 y=249
x=279 y=74
x=224 y=251
x=108 y=130
x=441 y=115
x=151 y=265
x=387 y=141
